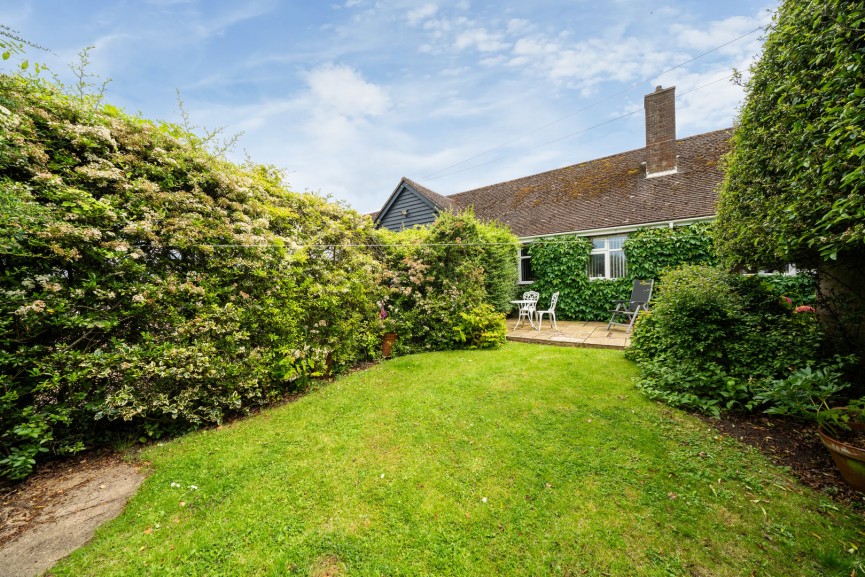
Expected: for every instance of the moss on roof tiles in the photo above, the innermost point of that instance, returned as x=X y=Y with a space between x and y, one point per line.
x=605 y=192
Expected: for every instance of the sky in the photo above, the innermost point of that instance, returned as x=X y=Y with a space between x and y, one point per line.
x=349 y=96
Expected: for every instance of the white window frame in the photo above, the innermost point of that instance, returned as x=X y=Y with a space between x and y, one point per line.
x=523 y=258
x=606 y=251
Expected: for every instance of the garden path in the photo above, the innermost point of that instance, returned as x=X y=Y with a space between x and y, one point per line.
x=57 y=510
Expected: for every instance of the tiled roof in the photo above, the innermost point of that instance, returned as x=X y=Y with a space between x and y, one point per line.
x=442 y=202
x=607 y=192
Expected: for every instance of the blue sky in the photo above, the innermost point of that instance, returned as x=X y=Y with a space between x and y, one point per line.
x=349 y=96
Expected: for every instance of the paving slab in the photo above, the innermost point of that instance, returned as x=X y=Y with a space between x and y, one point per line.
x=571 y=333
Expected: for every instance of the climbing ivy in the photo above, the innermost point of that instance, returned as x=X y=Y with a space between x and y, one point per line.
x=560 y=264
x=651 y=250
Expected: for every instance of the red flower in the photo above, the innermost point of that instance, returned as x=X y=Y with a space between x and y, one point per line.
x=804 y=309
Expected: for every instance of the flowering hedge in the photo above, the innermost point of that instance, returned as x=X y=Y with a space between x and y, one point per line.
x=450 y=283
x=147 y=285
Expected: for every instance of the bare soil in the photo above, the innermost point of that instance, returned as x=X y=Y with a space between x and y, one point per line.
x=792 y=444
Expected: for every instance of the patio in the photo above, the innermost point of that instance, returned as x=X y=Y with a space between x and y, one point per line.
x=571 y=334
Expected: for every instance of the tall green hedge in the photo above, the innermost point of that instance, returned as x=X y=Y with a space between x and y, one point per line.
x=450 y=283
x=794 y=187
x=795 y=182
x=146 y=285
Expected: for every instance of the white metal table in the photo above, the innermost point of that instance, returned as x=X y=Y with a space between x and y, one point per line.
x=526 y=305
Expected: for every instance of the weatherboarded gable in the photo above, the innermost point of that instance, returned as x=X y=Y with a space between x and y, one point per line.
x=411 y=204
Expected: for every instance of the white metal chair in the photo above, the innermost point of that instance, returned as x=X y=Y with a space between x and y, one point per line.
x=527 y=309
x=550 y=312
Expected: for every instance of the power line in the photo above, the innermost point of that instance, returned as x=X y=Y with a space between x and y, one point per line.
x=551 y=240
x=432 y=176
x=580 y=131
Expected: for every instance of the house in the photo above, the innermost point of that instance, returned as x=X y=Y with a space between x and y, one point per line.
x=668 y=182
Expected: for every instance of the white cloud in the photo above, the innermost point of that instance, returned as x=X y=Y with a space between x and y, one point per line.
x=516 y=25
x=719 y=32
x=219 y=24
x=425 y=12
x=341 y=89
x=480 y=39
x=584 y=64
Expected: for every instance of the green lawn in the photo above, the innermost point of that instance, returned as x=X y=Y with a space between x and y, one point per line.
x=529 y=460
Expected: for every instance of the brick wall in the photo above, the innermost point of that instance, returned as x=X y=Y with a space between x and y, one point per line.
x=660 y=130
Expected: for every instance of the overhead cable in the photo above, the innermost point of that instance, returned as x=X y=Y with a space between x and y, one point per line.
x=432 y=175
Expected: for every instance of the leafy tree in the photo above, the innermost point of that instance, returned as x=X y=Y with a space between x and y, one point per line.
x=796 y=176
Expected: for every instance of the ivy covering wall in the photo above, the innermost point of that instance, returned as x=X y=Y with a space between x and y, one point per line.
x=560 y=264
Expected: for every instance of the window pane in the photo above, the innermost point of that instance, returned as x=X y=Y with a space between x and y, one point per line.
x=524 y=251
x=599 y=242
x=596 y=265
x=617 y=264
x=615 y=242
x=526 y=274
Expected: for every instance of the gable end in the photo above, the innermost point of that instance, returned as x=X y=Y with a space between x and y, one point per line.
x=406 y=208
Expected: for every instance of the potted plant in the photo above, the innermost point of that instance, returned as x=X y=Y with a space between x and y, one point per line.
x=807 y=394
x=842 y=430
x=388 y=335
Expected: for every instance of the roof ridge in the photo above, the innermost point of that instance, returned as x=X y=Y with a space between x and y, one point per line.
x=609 y=156
x=440 y=200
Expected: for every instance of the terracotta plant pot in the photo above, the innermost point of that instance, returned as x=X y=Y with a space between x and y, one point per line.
x=849 y=459
x=387 y=344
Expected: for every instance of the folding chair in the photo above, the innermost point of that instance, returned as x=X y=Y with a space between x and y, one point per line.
x=641 y=294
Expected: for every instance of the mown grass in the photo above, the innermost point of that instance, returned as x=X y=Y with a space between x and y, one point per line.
x=530 y=460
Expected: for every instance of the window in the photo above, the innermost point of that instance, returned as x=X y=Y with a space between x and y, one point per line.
x=525 y=266
x=607 y=259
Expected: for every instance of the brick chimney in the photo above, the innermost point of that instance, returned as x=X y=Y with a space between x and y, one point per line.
x=660 y=108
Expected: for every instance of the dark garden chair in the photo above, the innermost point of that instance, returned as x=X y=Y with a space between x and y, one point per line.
x=626 y=312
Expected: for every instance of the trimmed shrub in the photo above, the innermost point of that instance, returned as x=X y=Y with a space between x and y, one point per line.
x=481 y=328
x=450 y=283
x=713 y=338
